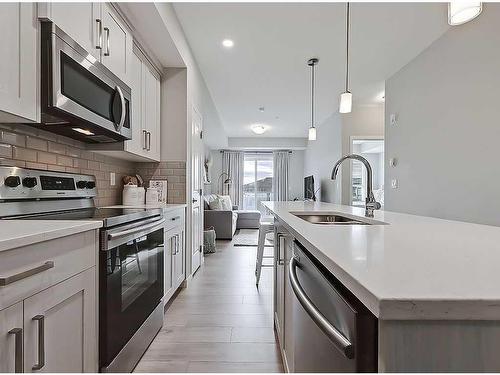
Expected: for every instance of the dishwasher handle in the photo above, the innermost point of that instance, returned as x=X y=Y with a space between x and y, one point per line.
x=335 y=336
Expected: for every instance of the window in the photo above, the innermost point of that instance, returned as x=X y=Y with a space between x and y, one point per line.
x=257 y=181
x=373 y=151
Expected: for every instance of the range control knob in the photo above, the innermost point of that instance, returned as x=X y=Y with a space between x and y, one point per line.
x=90 y=184
x=81 y=184
x=12 y=181
x=29 y=182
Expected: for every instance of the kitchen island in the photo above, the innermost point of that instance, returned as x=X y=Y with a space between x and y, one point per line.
x=432 y=284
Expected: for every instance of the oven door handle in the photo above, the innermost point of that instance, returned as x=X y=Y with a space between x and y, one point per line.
x=112 y=236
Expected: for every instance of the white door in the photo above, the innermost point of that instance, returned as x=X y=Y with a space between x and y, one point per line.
x=196 y=186
x=117 y=44
x=18 y=48
x=11 y=338
x=61 y=320
x=81 y=21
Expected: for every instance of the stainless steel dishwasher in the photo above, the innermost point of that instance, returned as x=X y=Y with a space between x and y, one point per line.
x=333 y=331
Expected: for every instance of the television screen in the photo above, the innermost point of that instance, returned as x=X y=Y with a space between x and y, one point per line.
x=309 y=188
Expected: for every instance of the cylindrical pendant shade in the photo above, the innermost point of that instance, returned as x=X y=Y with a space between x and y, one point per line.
x=460 y=12
x=312 y=133
x=345 y=102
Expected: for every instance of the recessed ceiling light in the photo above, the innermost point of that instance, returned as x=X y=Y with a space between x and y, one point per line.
x=228 y=43
x=259 y=128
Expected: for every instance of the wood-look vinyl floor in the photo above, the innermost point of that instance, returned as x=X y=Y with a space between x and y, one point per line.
x=221 y=322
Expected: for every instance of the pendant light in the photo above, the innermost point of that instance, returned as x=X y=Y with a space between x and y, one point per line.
x=346 y=97
x=312 y=130
x=460 y=12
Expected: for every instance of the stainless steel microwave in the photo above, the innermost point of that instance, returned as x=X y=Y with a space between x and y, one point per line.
x=80 y=97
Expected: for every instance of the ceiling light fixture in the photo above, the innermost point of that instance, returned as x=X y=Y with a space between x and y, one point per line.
x=259 y=129
x=228 y=43
x=312 y=130
x=460 y=12
x=345 y=105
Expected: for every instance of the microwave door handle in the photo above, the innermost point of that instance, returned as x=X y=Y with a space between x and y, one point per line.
x=124 y=109
x=335 y=336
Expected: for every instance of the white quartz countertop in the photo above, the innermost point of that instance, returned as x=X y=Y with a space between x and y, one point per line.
x=165 y=206
x=17 y=233
x=414 y=267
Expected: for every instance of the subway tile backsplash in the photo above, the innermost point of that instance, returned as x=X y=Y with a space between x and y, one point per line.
x=24 y=146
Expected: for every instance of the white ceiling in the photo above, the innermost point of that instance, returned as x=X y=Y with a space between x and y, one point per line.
x=267 y=66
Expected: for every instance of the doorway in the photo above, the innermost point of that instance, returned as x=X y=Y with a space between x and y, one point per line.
x=372 y=149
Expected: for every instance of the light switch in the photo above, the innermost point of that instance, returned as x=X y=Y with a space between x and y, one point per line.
x=393 y=119
x=394 y=183
x=112 y=178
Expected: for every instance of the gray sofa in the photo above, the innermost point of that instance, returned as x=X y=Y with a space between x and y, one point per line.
x=225 y=223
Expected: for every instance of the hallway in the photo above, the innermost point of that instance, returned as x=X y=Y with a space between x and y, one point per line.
x=222 y=322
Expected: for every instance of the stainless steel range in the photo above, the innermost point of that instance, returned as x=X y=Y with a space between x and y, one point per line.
x=130 y=256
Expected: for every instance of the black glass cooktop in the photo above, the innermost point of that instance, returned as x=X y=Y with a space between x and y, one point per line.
x=109 y=216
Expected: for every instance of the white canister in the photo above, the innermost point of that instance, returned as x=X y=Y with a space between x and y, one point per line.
x=152 y=196
x=130 y=195
x=141 y=195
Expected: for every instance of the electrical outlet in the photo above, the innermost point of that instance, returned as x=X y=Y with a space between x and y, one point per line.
x=112 y=178
x=394 y=184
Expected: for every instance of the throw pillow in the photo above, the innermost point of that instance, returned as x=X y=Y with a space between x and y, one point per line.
x=227 y=205
x=216 y=204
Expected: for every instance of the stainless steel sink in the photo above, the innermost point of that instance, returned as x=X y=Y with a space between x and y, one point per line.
x=330 y=219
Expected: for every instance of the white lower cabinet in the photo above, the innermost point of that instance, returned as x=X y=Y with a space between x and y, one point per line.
x=59 y=323
x=175 y=254
x=48 y=316
x=11 y=338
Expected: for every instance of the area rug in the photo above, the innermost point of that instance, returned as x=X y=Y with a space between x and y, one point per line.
x=249 y=237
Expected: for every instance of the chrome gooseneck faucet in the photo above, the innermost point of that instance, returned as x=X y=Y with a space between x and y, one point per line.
x=370 y=203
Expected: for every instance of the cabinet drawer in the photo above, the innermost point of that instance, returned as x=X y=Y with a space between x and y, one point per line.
x=51 y=262
x=174 y=218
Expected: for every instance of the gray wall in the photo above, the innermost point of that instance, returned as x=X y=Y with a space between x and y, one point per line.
x=447 y=138
x=320 y=156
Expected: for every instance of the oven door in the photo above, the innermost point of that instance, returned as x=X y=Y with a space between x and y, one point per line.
x=130 y=282
x=84 y=90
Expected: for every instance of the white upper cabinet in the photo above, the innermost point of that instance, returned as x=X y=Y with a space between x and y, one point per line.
x=117 y=44
x=81 y=21
x=98 y=29
x=18 y=74
x=145 y=84
x=152 y=112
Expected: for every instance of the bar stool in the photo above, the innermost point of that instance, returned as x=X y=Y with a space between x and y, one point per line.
x=264 y=228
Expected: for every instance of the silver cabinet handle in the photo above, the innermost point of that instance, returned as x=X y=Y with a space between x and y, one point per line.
x=23 y=275
x=124 y=108
x=145 y=140
x=41 y=342
x=106 y=51
x=98 y=30
x=335 y=336
x=149 y=141
x=18 y=356
x=281 y=260
x=135 y=229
